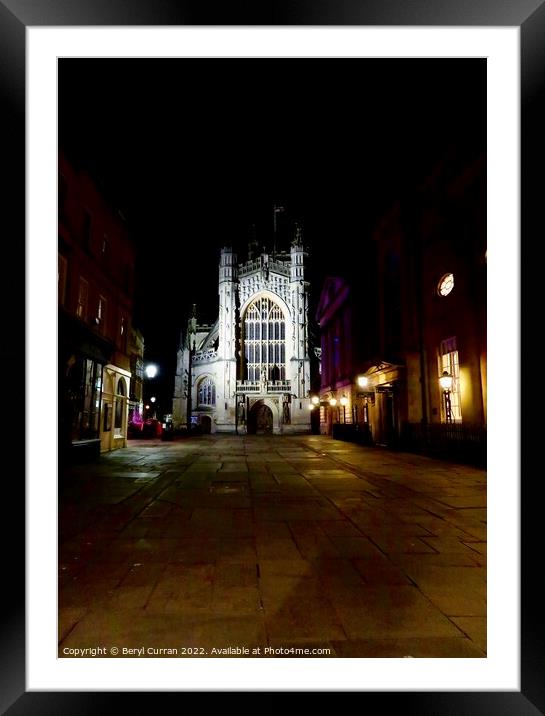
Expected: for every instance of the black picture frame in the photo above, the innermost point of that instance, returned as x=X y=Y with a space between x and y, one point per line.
x=15 y=16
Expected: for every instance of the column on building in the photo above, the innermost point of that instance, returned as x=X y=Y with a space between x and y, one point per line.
x=226 y=374
x=300 y=363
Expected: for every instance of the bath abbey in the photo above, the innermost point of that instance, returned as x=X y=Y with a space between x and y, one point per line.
x=249 y=372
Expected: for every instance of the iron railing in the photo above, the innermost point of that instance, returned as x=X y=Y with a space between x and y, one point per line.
x=462 y=442
x=271 y=386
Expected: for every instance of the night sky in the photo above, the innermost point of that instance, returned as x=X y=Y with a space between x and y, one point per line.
x=195 y=151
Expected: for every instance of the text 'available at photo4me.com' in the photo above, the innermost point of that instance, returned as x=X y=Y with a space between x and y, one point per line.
x=192 y=651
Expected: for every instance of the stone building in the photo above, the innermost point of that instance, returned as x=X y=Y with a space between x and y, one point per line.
x=249 y=372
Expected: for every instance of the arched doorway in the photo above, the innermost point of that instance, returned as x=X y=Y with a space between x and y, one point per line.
x=206 y=424
x=260 y=420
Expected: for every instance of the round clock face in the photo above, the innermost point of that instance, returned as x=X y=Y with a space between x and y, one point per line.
x=446 y=284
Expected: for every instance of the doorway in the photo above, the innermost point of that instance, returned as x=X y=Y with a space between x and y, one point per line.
x=260 y=420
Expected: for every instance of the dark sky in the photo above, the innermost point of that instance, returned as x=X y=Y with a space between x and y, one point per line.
x=195 y=151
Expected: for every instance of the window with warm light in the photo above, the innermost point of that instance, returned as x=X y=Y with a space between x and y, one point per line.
x=101 y=313
x=446 y=284
x=449 y=363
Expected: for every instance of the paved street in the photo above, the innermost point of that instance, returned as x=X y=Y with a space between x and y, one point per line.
x=217 y=542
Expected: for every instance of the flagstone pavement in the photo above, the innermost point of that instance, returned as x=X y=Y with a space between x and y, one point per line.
x=271 y=546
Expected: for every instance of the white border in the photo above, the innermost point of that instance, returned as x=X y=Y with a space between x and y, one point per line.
x=500 y=670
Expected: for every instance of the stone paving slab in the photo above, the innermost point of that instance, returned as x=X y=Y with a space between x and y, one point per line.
x=431 y=647
x=391 y=611
x=297 y=541
x=475 y=628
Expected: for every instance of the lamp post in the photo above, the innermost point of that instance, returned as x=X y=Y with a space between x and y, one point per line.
x=150 y=371
x=445 y=381
x=344 y=403
x=363 y=382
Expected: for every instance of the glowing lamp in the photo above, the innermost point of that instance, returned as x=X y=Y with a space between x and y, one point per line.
x=151 y=370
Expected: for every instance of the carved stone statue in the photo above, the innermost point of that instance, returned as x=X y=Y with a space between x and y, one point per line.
x=286 y=413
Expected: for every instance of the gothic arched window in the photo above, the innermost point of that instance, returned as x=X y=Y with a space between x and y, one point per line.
x=264 y=340
x=206 y=392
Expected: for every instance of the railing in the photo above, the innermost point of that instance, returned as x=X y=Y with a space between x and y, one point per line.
x=459 y=442
x=248 y=386
x=205 y=356
x=276 y=266
x=352 y=432
x=462 y=442
x=271 y=386
x=278 y=386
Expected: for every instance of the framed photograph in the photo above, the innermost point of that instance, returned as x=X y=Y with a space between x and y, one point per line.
x=35 y=43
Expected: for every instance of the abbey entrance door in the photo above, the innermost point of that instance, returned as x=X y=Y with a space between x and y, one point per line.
x=260 y=420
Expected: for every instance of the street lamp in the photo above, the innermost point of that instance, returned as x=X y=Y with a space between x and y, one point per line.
x=344 y=403
x=445 y=381
x=151 y=370
x=363 y=381
x=315 y=400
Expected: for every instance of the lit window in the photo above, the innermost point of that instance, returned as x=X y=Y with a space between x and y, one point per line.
x=101 y=312
x=446 y=284
x=83 y=298
x=206 y=392
x=449 y=362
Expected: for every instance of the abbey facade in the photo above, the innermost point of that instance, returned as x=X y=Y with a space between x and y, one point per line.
x=249 y=372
